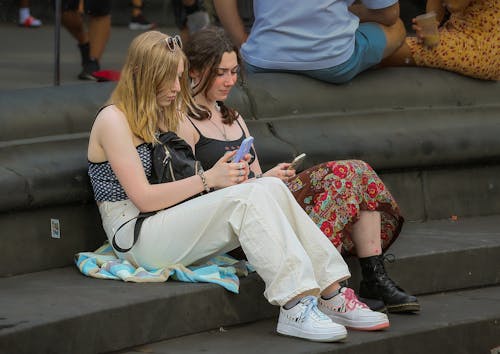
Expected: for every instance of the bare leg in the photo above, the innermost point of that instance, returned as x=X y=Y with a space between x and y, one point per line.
x=395 y=36
x=136 y=7
x=99 y=31
x=73 y=22
x=326 y=292
x=401 y=57
x=331 y=289
x=366 y=234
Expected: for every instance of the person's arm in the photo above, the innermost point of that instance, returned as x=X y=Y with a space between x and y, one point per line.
x=115 y=138
x=281 y=170
x=457 y=5
x=386 y=16
x=437 y=7
x=227 y=12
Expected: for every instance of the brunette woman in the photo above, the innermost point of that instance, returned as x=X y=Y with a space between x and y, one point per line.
x=345 y=199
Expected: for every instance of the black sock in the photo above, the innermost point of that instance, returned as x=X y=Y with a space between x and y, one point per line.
x=84 y=52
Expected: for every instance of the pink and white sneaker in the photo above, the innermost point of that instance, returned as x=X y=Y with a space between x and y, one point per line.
x=346 y=309
x=30 y=21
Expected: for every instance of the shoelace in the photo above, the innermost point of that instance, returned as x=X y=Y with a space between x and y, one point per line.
x=389 y=257
x=381 y=272
x=311 y=304
x=351 y=300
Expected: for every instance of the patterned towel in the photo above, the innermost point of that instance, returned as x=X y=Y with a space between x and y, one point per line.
x=103 y=264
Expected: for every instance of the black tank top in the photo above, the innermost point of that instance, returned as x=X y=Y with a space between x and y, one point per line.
x=208 y=150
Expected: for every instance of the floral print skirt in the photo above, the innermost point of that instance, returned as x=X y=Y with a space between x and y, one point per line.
x=333 y=194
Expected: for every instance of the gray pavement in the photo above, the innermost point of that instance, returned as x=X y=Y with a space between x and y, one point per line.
x=27 y=55
x=449 y=324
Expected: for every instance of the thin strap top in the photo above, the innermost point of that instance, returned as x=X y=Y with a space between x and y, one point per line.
x=209 y=150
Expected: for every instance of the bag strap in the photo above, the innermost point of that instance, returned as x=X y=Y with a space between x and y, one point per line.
x=137 y=229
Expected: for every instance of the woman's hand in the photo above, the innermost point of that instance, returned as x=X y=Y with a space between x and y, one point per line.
x=225 y=173
x=421 y=37
x=281 y=171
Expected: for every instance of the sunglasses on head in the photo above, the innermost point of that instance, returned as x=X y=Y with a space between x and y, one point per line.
x=172 y=42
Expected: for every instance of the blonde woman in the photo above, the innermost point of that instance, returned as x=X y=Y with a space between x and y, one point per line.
x=295 y=260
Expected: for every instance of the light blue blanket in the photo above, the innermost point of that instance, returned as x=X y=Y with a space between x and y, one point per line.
x=103 y=264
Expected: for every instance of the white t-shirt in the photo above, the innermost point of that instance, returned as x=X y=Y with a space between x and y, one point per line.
x=303 y=35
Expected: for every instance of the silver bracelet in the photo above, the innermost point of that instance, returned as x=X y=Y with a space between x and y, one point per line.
x=258 y=175
x=204 y=181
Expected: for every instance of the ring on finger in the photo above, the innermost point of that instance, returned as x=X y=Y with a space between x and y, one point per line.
x=240 y=173
x=241 y=166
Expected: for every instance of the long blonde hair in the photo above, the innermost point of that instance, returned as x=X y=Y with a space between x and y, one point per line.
x=149 y=65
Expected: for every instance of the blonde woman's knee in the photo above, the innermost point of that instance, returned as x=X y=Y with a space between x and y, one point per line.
x=273 y=183
x=276 y=188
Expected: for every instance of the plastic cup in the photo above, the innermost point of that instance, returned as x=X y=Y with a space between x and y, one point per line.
x=428 y=23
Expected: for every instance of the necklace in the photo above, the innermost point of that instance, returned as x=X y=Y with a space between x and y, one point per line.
x=222 y=131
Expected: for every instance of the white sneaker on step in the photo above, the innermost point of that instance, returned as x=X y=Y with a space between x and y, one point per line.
x=306 y=321
x=345 y=309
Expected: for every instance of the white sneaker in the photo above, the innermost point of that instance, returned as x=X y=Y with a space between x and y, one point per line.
x=346 y=309
x=304 y=320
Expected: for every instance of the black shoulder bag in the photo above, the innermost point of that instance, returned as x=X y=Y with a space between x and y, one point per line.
x=172 y=160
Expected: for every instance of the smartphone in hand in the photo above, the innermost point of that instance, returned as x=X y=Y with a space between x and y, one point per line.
x=297 y=161
x=243 y=150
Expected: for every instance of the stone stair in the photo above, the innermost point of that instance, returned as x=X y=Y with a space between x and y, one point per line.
x=87 y=315
x=432 y=135
x=460 y=322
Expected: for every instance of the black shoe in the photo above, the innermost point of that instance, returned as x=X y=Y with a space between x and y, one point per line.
x=88 y=69
x=374 y=304
x=376 y=284
x=139 y=22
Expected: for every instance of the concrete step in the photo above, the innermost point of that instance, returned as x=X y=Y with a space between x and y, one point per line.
x=61 y=311
x=466 y=322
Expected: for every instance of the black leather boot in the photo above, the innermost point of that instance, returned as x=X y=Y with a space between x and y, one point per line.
x=376 y=284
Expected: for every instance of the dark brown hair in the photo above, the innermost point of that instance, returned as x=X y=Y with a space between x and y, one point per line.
x=204 y=52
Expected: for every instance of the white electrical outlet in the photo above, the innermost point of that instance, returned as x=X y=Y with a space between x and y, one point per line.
x=55 y=228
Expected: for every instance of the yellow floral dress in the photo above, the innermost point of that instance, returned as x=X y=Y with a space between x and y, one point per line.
x=469 y=42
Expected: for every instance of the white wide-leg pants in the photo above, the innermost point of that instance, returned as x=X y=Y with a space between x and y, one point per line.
x=286 y=248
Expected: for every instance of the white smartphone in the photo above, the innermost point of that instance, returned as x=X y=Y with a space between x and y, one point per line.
x=297 y=161
x=243 y=150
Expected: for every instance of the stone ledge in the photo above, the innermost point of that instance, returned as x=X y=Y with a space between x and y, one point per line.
x=466 y=322
x=90 y=315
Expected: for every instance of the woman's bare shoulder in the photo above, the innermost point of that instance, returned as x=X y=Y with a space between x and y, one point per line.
x=110 y=115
